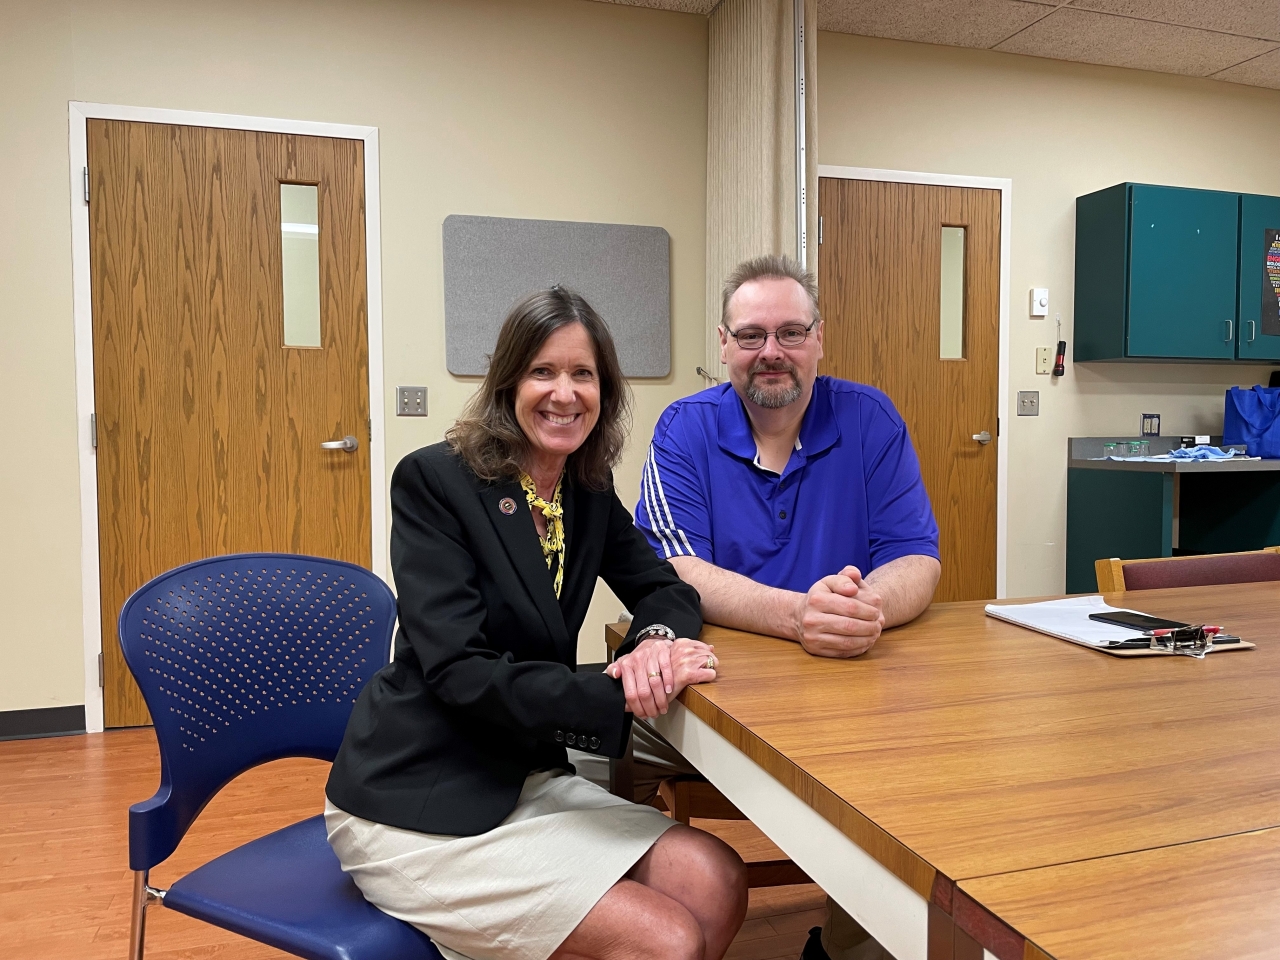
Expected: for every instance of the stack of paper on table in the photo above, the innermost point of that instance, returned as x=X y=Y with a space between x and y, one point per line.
x=1069 y=620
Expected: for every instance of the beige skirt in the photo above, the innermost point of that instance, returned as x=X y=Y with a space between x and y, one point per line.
x=515 y=892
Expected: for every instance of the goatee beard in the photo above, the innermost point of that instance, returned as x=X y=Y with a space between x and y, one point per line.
x=772 y=398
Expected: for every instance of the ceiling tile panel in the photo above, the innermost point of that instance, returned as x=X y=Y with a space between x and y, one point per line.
x=1263 y=71
x=703 y=7
x=960 y=23
x=1087 y=37
x=1246 y=18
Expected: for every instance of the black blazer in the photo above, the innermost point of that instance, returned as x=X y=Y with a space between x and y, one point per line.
x=482 y=688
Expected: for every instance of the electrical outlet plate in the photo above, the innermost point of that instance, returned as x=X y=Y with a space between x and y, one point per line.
x=1044 y=360
x=1028 y=403
x=411 y=401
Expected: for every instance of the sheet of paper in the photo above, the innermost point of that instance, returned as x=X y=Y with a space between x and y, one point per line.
x=1066 y=619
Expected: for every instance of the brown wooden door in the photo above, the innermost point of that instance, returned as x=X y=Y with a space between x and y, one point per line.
x=209 y=427
x=879 y=269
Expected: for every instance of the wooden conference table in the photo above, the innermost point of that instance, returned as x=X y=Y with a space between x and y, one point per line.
x=969 y=788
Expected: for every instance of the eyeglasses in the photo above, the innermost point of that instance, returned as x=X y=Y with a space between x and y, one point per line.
x=787 y=335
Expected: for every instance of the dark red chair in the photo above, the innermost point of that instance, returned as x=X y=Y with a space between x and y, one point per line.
x=1256 y=566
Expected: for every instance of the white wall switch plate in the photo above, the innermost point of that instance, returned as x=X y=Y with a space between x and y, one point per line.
x=1028 y=403
x=1039 y=301
x=1044 y=360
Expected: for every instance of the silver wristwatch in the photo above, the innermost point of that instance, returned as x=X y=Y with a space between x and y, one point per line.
x=656 y=630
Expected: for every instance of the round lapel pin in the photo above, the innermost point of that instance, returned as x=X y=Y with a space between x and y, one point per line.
x=507 y=506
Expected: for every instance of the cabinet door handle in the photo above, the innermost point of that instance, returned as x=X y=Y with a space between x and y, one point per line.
x=1253 y=331
x=1231 y=328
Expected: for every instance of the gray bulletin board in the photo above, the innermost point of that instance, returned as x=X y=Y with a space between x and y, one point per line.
x=623 y=271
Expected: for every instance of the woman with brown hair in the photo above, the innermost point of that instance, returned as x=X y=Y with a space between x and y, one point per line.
x=451 y=802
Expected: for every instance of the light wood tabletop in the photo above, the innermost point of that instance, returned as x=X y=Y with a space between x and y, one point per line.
x=968 y=747
x=1214 y=898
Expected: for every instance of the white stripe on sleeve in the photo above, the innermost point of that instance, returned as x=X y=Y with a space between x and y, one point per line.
x=655 y=519
x=672 y=529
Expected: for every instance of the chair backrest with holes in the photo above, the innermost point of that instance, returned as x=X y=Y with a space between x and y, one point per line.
x=244 y=659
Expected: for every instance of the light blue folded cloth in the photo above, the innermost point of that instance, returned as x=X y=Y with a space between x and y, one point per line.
x=1203 y=452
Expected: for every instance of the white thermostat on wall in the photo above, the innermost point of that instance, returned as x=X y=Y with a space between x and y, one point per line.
x=1039 y=301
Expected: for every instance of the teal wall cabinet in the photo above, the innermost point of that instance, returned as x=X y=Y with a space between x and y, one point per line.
x=1182 y=273
x=1156 y=274
x=1257 y=214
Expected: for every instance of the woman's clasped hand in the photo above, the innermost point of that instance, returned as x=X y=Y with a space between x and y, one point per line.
x=658 y=669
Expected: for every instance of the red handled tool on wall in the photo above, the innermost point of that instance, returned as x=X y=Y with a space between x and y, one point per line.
x=1060 y=360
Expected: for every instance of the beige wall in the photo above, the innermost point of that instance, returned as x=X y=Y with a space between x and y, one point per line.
x=559 y=109
x=566 y=109
x=1057 y=130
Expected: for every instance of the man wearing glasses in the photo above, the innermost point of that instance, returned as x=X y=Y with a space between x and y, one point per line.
x=792 y=502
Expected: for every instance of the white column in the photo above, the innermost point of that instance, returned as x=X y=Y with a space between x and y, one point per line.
x=752 y=144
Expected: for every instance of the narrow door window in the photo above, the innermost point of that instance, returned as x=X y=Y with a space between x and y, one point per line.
x=300 y=248
x=951 y=337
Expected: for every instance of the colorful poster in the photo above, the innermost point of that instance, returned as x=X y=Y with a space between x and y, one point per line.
x=1270 y=325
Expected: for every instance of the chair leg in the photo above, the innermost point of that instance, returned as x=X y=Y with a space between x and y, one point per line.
x=138 y=920
x=144 y=896
x=622 y=772
x=675 y=794
x=622 y=775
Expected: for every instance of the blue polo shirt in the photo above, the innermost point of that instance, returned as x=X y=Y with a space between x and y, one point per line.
x=850 y=494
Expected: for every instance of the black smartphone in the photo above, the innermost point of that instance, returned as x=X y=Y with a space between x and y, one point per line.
x=1136 y=621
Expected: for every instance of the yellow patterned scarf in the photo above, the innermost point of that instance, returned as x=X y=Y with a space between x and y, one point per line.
x=553 y=542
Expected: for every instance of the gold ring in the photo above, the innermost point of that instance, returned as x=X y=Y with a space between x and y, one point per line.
x=658 y=674
x=711 y=662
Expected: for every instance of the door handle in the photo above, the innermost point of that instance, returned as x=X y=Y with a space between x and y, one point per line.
x=1231 y=328
x=1253 y=331
x=346 y=444
x=984 y=437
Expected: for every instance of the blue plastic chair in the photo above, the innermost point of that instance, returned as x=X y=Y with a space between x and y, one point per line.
x=242 y=660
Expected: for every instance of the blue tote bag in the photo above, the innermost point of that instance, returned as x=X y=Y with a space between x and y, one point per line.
x=1252 y=417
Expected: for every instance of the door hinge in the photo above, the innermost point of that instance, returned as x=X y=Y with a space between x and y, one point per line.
x=997 y=426
x=86 y=186
x=819 y=231
x=369 y=424
x=101 y=680
x=93 y=430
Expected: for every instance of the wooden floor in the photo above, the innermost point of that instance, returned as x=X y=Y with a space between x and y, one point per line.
x=65 y=881
x=778 y=922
